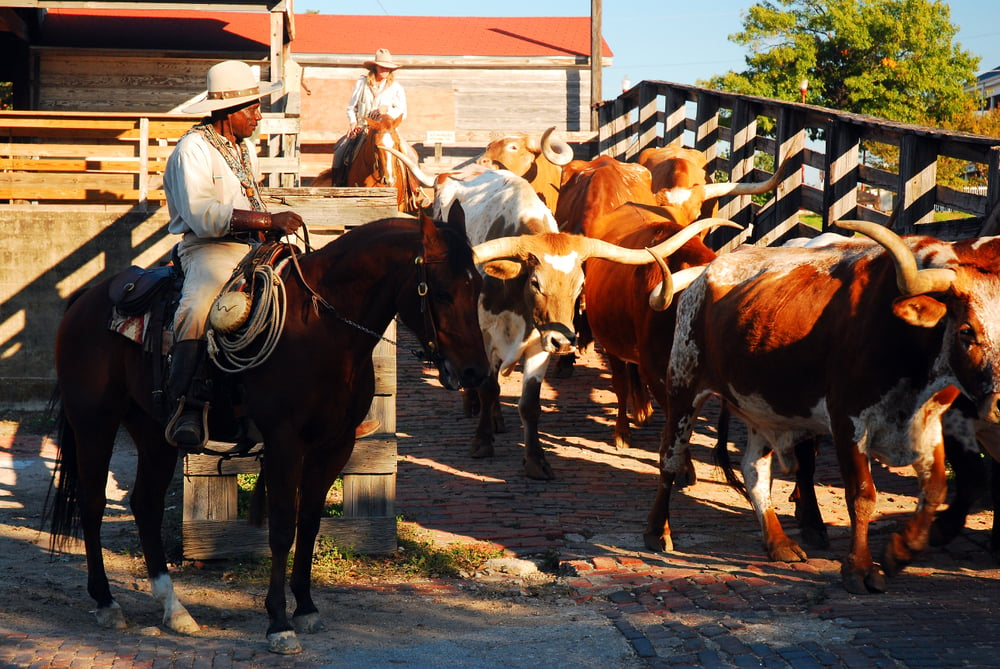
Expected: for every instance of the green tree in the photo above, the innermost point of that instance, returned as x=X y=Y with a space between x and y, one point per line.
x=895 y=59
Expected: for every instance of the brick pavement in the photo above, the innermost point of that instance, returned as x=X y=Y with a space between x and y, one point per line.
x=713 y=602
x=716 y=601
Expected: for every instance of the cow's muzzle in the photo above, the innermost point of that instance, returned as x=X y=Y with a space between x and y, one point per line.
x=989 y=410
x=557 y=339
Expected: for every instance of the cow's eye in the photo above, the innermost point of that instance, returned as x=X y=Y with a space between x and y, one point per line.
x=536 y=285
x=967 y=334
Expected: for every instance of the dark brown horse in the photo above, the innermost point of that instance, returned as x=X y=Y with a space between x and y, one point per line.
x=306 y=399
x=372 y=167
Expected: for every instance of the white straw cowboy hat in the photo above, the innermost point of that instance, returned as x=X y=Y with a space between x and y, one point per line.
x=383 y=59
x=230 y=84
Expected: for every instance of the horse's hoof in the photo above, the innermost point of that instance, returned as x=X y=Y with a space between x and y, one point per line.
x=284 y=643
x=309 y=623
x=481 y=451
x=111 y=617
x=182 y=623
x=661 y=543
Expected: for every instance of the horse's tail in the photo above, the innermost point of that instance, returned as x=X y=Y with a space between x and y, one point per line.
x=722 y=453
x=61 y=502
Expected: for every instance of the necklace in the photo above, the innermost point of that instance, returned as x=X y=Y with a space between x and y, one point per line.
x=238 y=160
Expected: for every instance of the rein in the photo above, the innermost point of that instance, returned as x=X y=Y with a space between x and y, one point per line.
x=423 y=290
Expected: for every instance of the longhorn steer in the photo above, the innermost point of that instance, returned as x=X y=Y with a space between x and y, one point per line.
x=591 y=189
x=848 y=339
x=534 y=275
x=679 y=178
x=620 y=318
x=539 y=160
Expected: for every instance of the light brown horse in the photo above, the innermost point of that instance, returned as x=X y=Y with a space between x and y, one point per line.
x=306 y=399
x=373 y=167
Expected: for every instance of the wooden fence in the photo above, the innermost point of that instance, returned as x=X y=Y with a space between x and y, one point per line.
x=726 y=126
x=71 y=157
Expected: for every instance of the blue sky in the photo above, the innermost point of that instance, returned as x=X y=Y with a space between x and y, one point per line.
x=668 y=39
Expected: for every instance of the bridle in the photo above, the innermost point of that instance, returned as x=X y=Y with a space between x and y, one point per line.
x=430 y=351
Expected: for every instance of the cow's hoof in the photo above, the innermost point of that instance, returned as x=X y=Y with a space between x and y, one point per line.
x=309 y=623
x=944 y=529
x=481 y=451
x=564 y=367
x=897 y=555
x=655 y=541
x=623 y=441
x=284 y=643
x=538 y=470
x=816 y=537
x=111 y=617
x=859 y=582
x=789 y=552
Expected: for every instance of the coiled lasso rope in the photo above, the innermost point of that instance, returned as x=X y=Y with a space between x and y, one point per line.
x=261 y=332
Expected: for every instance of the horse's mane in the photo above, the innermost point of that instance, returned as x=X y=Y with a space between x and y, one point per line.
x=454 y=235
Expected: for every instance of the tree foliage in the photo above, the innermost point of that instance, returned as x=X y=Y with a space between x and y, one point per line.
x=896 y=59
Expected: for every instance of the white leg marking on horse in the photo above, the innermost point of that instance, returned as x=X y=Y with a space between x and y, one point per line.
x=175 y=616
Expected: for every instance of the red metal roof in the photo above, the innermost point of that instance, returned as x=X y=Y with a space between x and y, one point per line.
x=525 y=37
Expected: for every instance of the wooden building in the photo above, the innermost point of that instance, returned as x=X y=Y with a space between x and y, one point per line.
x=467 y=79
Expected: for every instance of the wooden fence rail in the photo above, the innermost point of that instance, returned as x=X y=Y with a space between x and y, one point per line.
x=726 y=127
x=70 y=157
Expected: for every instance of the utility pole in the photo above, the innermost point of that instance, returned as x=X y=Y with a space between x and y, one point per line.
x=596 y=61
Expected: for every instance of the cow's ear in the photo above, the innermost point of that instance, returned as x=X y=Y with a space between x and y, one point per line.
x=503 y=269
x=919 y=310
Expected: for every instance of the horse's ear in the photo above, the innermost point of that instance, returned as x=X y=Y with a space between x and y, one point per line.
x=456 y=218
x=429 y=232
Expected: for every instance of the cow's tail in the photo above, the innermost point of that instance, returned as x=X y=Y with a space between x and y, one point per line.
x=61 y=509
x=722 y=453
x=638 y=395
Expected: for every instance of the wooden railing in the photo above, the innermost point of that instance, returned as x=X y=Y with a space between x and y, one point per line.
x=656 y=113
x=69 y=157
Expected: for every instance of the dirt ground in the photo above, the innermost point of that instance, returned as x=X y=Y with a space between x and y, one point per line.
x=413 y=622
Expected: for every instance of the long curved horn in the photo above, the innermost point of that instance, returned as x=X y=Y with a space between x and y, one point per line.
x=423 y=178
x=504 y=247
x=746 y=188
x=556 y=151
x=663 y=293
x=909 y=279
x=689 y=232
x=679 y=280
x=597 y=248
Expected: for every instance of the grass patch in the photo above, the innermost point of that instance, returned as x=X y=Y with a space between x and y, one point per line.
x=417 y=557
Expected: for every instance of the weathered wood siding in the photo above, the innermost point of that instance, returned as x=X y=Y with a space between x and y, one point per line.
x=475 y=103
x=74 y=80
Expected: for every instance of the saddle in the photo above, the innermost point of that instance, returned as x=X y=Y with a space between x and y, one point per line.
x=145 y=301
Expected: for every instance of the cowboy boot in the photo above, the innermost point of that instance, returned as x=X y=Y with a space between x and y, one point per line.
x=187 y=428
